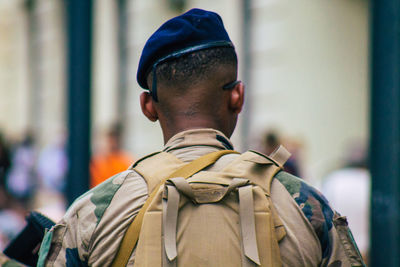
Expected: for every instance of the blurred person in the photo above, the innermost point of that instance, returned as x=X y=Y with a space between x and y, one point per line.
x=12 y=212
x=16 y=173
x=349 y=190
x=272 y=141
x=189 y=67
x=51 y=171
x=52 y=166
x=110 y=161
x=21 y=181
x=5 y=160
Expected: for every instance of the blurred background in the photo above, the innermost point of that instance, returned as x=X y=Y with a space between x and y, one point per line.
x=70 y=114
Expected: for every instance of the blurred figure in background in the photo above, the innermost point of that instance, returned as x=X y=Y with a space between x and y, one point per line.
x=348 y=190
x=110 y=161
x=22 y=181
x=51 y=171
x=11 y=211
x=272 y=141
x=52 y=166
x=5 y=160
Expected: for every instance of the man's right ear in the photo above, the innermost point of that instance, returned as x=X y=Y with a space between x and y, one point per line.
x=147 y=105
x=236 y=100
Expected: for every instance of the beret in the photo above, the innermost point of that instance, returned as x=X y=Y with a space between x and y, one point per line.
x=194 y=30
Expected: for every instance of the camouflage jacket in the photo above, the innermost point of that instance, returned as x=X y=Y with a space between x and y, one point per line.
x=93 y=227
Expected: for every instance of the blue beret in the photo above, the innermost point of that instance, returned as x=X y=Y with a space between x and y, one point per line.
x=194 y=30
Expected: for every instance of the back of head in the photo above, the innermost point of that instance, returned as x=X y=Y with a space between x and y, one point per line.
x=193 y=84
x=186 y=65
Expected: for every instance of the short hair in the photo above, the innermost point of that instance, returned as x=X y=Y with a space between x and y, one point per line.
x=196 y=66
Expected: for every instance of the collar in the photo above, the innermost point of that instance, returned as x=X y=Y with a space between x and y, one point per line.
x=198 y=137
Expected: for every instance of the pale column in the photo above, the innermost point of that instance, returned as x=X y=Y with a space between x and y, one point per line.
x=14 y=77
x=105 y=64
x=52 y=44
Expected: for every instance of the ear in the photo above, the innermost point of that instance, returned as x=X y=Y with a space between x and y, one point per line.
x=147 y=105
x=236 y=99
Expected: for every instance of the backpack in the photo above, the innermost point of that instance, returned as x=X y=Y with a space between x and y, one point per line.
x=195 y=217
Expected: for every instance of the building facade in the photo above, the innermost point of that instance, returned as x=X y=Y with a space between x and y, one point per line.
x=306 y=70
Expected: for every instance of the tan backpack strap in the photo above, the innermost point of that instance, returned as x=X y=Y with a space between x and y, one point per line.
x=157 y=167
x=280 y=155
x=170 y=221
x=248 y=226
x=132 y=234
x=247 y=221
x=263 y=175
x=183 y=187
x=199 y=164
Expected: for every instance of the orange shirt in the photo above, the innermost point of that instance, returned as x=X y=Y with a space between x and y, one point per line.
x=103 y=167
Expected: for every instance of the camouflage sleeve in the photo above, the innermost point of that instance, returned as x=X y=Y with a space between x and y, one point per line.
x=337 y=244
x=60 y=246
x=70 y=242
x=67 y=243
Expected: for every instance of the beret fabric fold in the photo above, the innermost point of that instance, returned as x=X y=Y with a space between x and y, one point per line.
x=194 y=30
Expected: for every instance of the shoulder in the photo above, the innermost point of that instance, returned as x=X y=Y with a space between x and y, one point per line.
x=100 y=196
x=83 y=216
x=314 y=206
x=80 y=234
x=72 y=239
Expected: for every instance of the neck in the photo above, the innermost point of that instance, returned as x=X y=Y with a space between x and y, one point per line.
x=177 y=126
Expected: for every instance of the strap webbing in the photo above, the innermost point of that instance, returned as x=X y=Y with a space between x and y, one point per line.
x=170 y=223
x=280 y=155
x=132 y=234
x=247 y=224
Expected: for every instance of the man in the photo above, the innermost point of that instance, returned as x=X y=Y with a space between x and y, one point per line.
x=189 y=66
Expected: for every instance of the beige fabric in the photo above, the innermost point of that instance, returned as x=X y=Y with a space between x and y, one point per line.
x=214 y=187
x=341 y=226
x=280 y=155
x=301 y=246
x=97 y=241
x=170 y=223
x=131 y=236
x=152 y=168
x=247 y=224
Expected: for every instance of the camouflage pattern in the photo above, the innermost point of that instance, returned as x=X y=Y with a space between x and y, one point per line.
x=314 y=206
x=93 y=227
x=323 y=220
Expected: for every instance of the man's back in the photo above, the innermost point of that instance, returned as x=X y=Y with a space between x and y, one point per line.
x=93 y=228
